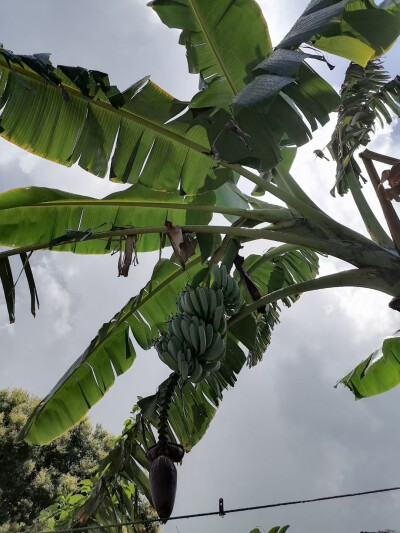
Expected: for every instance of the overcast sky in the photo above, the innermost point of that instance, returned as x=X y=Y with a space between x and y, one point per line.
x=283 y=432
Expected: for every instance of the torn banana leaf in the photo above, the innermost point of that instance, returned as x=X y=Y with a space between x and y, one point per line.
x=379 y=373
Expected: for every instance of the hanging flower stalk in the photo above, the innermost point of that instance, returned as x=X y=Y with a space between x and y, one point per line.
x=193 y=347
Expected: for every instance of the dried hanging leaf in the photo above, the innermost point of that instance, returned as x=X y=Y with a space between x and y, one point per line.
x=250 y=287
x=128 y=257
x=183 y=244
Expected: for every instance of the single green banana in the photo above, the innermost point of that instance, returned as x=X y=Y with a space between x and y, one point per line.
x=219 y=313
x=189 y=309
x=209 y=334
x=202 y=339
x=180 y=360
x=185 y=323
x=196 y=374
x=217 y=277
x=194 y=336
x=202 y=298
x=222 y=327
x=167 y=359
x=215 y=350
x=176 y=328
x=195 y=303
x=196 y=320
x=177 y=345
x=212 y=305
x=224 y=277
x=188 y=355
x=173 y=349
x=220 y=297
x=228 y=289
x=212 y=366
x=184 y=370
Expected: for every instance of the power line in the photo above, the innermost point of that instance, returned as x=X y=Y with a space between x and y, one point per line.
x=223 y=512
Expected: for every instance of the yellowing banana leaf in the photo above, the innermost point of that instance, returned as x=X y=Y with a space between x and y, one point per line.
x=71 y=114
x=379 y=373
x=33 y=215
x=224 y=40
x=359 y=30
x=110 y=353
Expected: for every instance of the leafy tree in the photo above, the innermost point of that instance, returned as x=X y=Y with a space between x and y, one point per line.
x=34 y=477
x=255 y=106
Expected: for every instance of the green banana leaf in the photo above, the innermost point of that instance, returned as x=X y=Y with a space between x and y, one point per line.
x=110 y=353
x=286 y=72
x=225 y=67
x=71 y=114
x=224 y=40
x=34 y=215
x=358 y=30
x=191 y=413
x=279 y=267
x=268 y=113
x=378 y=373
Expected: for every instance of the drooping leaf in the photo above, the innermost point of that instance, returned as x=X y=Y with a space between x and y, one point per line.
x=8 y=287
x=110 y=354
x=224 y=64
x=368 y=95
x=83 y=385
x=31 y=282
x=277 y=268
x=379 y=373
x=71 y=114
x=283 y=86
x=183 y=244
x=192 y=411
x=33 y=215
x=358 y=30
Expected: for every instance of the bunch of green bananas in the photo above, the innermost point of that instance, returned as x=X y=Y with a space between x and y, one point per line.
x=229 y=287
x=194 y=342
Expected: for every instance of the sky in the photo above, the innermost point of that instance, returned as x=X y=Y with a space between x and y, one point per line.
x=283 y=432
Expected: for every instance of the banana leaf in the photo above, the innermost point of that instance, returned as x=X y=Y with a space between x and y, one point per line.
x=110 y=354
x=73 y=115
x=379 y=373
x=34 y=215
x=268 y=113
x=358 y=30
x=192 y=411
x=224 y=40
x=279 y=267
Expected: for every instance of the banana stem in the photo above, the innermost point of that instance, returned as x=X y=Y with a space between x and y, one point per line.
x=166 y=399
x=370 y=278
x=374 y=228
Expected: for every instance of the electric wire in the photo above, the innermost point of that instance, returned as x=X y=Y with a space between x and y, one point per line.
x=224 y=512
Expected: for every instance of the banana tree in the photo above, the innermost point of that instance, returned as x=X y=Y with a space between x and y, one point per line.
x=208 y=309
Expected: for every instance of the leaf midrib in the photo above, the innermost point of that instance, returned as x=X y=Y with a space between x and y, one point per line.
x=157 y=205
x=118 y=111
x=213 y=47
